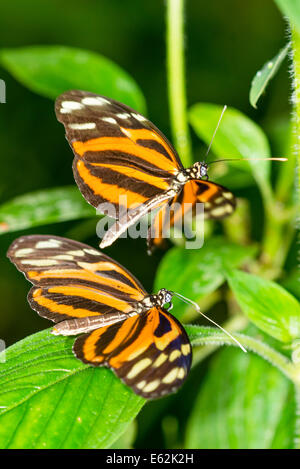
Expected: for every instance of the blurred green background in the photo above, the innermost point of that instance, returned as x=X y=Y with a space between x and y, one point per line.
x=226 y=43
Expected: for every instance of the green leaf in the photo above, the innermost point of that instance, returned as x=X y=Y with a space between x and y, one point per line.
x=43 y=207
x=126 y=440
x=50 y=399
x=237 y=137
x=263 y=76
x=291 y=9
x=51 y=70
x=243 y=403
x=196 y=273
x=269 y=306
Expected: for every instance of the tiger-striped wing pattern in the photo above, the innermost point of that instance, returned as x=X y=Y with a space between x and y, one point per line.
x=74 y=283
x=118 y=152
x=218 y=202
x=71 y=279
x=151 y=353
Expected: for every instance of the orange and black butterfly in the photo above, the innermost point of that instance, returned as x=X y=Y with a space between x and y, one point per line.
x=85 y=292
x=118 y=153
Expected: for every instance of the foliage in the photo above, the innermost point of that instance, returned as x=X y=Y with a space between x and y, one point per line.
x=244 y=274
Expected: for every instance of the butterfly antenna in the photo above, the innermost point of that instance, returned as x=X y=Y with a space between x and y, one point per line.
x=197 y=307
x=214 y=134
x=248 y=159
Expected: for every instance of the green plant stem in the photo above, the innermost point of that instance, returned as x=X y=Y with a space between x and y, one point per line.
x=285 y=179
x=272 y=240
x=297 y=423
x=268 y=353
x=234 y=324
x=176 y=80
x=296 y=98
x=279 y=219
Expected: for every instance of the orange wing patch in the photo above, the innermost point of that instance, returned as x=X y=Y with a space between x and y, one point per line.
x=218 y=203
x=72 y=280
x=150 y=353
x=117 y=151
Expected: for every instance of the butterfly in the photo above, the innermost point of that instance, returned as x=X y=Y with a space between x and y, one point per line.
x=122 y=159
x=121 y=327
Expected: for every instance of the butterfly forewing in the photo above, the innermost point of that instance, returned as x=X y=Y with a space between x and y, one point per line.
x=151 y=353
x=117 y=151
x=72 y=280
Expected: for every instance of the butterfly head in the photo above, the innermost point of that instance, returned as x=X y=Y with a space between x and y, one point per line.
x=199 y=170
x=162 y=298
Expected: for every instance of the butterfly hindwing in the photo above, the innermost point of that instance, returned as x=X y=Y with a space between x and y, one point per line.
x=71 y=279
x=218 y=202
x=118 y=152
x=151 y=352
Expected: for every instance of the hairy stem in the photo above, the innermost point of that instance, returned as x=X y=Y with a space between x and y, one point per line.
x=268 y=353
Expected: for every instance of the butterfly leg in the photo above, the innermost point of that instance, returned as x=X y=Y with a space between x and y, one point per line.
x=133 y=216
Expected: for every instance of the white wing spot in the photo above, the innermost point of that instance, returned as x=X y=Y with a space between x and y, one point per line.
x=94 y=101
x=64 y=257
x=185 y=349
x=162 y=357
x=228 y=195
x=174 y=355
x=219 y=200
x=40 y=262
x=111 y=120
x=50 y=243
x=228 y=208
x=141 y=384
x=85 y=126
x=139 y=117
x=123 y=115
x=171 y=376
x=126 y=132
x=92 y=251
x=151 y=386
x=71 y=105
x=23 y=252
x=138 y=367
x=181 y=373
x=218 y=212
x=76 y=253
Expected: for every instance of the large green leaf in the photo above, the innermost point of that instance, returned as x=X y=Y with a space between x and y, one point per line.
x=43 y=207
x=51 y=70
x=244 y=403
x=291 y=9
x=263 y=76
x=237 y=137
x=49 y=399
x=269 y=306
x=196 y=273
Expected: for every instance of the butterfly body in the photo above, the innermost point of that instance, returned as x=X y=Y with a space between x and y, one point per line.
x=90 y=323
x=126 y=167
x=122 y=327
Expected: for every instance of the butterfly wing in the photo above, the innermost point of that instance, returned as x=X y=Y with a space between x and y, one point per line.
x=121 y=158
x=218 y=202
x=72 y=280
x=151 y=352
